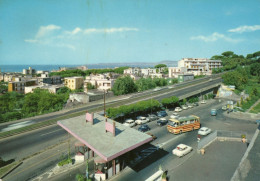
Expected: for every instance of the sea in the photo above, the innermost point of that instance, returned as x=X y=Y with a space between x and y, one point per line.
x=19 y=68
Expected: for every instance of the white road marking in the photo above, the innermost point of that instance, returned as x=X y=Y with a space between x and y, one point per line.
x=51 y=132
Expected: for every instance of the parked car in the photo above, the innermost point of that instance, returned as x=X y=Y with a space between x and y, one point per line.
x=161 y=114
x=224 y=108
x=195 y=104
x=184 y=107
x=204 y=131
x=144 y=128
x=203 y=102
x=182 y=150
x=154 y=137
x=190 y=106
x=175 y=115
x=141 y=120
x=130 y=123
x=177 y=109
x=213 y=112
x=162 y=121
x=152 y=117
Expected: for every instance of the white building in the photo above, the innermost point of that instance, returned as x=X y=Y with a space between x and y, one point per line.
x=148 y=71
x=175 y=71
x=199 y=66
x=29 y=71
x=101 y=82
x=133 y=71
x=50 y=88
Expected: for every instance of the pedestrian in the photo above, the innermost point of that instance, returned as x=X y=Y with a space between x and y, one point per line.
x=198 y=138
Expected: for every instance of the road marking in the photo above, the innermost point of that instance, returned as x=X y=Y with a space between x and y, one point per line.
x=166 y=142
x=37 y=163
x=51 y=132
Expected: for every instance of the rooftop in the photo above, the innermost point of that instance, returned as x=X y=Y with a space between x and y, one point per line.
x=104 y=144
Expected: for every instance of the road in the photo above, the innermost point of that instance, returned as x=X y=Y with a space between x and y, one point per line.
x=28 y=121
x=169 y=141
x=35 y=141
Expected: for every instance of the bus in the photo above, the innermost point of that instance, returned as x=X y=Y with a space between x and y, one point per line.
x=183 y=124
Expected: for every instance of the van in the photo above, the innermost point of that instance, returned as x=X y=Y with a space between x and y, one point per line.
x=213 y=112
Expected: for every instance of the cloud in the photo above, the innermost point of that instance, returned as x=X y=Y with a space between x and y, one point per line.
x=245 y=28
x=74 y=32
x=45 y=30
x=109 y=30
x=214 y=37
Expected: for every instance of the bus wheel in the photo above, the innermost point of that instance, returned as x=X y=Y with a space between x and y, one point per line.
x=180 y=131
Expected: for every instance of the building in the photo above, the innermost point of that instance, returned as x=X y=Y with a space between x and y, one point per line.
x=185 y=77
x=72 y=68
x=50 y=88
x=42 y=72
x=106 y=141
x=199 y=66
x=133 y=71
x=148 y=71
x=73 y=82
x=156 y=75
x=19 y=86
x=101 y=82
x=175 y=71
x=29 y=71
x=56 y=79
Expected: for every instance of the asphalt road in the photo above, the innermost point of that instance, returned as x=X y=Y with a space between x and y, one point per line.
x=35 y=141
x=28 y=121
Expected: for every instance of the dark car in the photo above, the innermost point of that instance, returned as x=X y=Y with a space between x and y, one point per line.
x=161 y=114
x=152 y=117
x=143 y=128
x=162 y=121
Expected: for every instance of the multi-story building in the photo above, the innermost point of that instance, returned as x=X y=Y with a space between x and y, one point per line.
x=29 y=71
x=56 y=79
x=199 y=66
x=133 y=71
x=18 y=86
x=175 y=71
x=101 y=82
x=148 y=71
x=50 y=88
x=73 y=82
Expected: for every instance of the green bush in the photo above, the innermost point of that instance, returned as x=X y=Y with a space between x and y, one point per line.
x=65 y=161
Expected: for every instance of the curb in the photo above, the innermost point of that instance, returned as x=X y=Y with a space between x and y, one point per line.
x=11 y=169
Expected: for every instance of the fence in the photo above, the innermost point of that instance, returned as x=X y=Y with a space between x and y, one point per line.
x=222 y=136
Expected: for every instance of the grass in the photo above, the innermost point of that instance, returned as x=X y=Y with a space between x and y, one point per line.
x=7 y=168
x=54 y=121
x=255 y=109
x=65 y=162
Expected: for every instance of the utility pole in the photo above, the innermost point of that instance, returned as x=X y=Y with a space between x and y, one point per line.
x=104 y=103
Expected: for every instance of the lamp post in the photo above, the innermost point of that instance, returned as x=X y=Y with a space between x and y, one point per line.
x=104 y=103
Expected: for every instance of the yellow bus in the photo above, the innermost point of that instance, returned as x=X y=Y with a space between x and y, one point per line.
x=183 y=124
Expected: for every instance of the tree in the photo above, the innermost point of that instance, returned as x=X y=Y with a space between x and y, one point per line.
x=124 y=85
x=63 y=90
x=255 y=69
x=160 y=66
x=145 y=84
x=228 y=54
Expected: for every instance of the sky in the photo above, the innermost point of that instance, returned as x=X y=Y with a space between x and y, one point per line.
x=125 y=31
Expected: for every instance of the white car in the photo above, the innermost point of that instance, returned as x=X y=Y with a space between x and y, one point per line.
x=129 y=122
x=190 y=106
x=204 y=131
x=177 y=109
x=141 y=120
x=182 y=150
x=203 y=102
x=184 y=107
x=175 y=115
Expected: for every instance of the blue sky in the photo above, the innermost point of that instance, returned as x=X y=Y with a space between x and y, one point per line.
x=111 y=31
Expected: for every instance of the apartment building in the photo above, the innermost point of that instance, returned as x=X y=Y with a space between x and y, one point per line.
x=175 y=71
x=51 y=88
x=148 y=71
x=73 y=82
x=101 y=82
x=133 y=71
x=199 y=66
x=29 y=71
x=19 y=86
